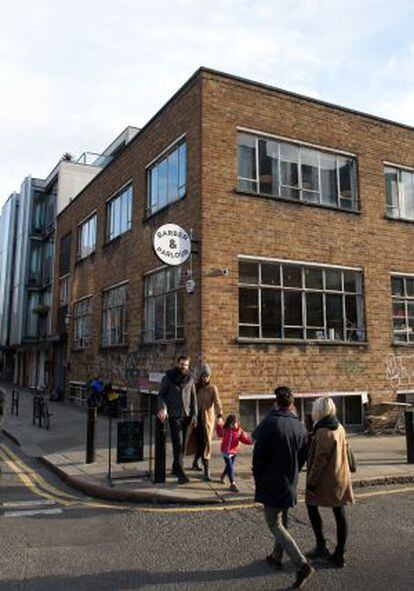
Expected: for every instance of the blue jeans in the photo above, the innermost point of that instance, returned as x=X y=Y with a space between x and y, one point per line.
x=229 y=469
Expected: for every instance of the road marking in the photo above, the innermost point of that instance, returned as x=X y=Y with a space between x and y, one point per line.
x=30 y=513
x=28 y=503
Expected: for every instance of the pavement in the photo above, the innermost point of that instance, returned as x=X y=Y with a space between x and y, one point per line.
x=381 y=460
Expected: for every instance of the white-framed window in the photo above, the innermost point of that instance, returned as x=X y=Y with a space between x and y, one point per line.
x=300 y=173
x=87 y=237
x=82 y=323
x=64 y=290
x=114 y=316
x=164 y=305
x=119 y=214
x=166 y=178
x=399 y=188
x=402 y=289
x=294 y=301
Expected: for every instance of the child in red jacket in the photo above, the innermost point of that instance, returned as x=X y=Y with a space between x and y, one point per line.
x=232 y=435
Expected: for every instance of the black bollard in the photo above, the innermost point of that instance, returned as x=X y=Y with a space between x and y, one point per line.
x=91 y=435
x=409 y=435
x=159 y=461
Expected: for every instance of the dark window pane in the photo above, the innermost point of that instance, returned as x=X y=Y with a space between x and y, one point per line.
x=329 y=185
x=314 y=309
x=268 y=167
x=411 y=329
x=292 y=276
x=352 y=281
x=345 y=177
x=271 y=273
x=313 y=279
x=247 y=410
x=248 y=272
x=250 y=186
x=398 y=309
x=353 y=410
x=271 y=314
x=289 y=165
x=333 y=280
x=290 y=193
x=410 y=309
x=293 y=333
x=309 y=169
x=293 y=308
x=248 y=306
x=246 y=156
x=391 y=189
x=159 y=318
x=397 y=286
x=409 y=286
x=251 y=332
x=334 y=317
x=315 y=334
x=170 y=316
x=354 y=318
x=265 y=406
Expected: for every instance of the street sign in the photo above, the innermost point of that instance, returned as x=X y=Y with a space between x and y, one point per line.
x=172 y=244
x=130 y=442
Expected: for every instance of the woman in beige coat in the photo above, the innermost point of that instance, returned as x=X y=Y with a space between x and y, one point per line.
x=328 y=480
x=209 y=409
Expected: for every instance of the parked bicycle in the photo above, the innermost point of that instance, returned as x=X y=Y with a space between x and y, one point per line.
x=40 y=408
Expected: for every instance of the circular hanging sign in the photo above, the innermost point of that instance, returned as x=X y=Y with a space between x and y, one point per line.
x=172 y=244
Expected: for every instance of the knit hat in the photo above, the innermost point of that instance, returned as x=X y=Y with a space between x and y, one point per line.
x=205 y=370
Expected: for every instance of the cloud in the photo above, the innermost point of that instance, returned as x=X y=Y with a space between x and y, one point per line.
x=73 y=75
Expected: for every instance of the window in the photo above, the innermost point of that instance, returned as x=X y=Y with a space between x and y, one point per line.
x=64 y=255
x=164 y=303
x=64 y=290
x=118 y=214
x=87 y=237
x=287 y=170
x=280 y=300
x=114 y=316
x=402 y=289
x=82 y=323
x=166 y=179
x=399 y=188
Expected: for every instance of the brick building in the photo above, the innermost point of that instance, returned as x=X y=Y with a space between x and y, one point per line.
x=301 y=216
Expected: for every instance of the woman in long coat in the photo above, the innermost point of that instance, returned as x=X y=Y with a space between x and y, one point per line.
x=209 y=409
x=328 y=479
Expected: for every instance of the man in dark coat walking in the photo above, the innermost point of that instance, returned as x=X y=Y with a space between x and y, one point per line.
x=279 y=454
x=177 y=400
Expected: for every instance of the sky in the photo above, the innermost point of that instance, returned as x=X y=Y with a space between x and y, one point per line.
x=74 y=74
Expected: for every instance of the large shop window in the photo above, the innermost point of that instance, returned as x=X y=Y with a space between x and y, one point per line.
x=114 y=320
x=87 y=237
x=166 y=179
x=119 y=214
x=164 y=304
x=399 y=188
x=291 y=171
x=82 y=323
x=283 y=301
x=402 y=288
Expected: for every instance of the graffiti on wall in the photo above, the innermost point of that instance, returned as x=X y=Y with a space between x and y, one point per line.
x=399 y=370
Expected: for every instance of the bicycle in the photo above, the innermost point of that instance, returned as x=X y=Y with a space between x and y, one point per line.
x=40 y=408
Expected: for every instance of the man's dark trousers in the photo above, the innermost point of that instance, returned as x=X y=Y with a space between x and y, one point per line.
x=178 y=427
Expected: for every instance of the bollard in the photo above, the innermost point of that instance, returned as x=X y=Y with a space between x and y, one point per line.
x=91 y=435
x=159 y=460
x=409 y=435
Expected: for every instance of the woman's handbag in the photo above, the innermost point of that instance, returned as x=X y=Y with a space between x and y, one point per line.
x=351 y=459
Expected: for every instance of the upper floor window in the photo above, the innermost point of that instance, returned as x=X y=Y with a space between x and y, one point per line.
x=118 y=214
x=64 y=290
x=166 y=178
x=399 y=187
x=164 y=305
x=402 y=288
x=280 y=300
x=291 y=171
x=114 y=321
x=64 y=254
x=87 y=237
x=82 y=323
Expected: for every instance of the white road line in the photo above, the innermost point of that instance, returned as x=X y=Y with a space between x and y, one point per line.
x=33 y=512
x=28 y=503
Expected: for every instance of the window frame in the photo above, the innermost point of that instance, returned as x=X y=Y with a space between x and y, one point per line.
x=126 y=191
x=163 y=157
x=360 y=330
x=122 y=330
x=404 y=300
x=149 y=332
x=81 y=225
x=301 y=147
x=401 y=204
x=82 y=341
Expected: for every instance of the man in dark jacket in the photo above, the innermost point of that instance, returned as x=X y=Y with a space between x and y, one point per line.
x=177 y=400
x=279 y=454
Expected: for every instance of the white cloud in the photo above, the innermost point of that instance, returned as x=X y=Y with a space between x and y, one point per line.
x=73 y=75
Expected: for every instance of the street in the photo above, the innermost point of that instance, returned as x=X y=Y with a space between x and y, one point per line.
x=55 y=538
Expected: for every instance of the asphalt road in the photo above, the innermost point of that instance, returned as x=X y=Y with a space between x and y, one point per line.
x=52 y=538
